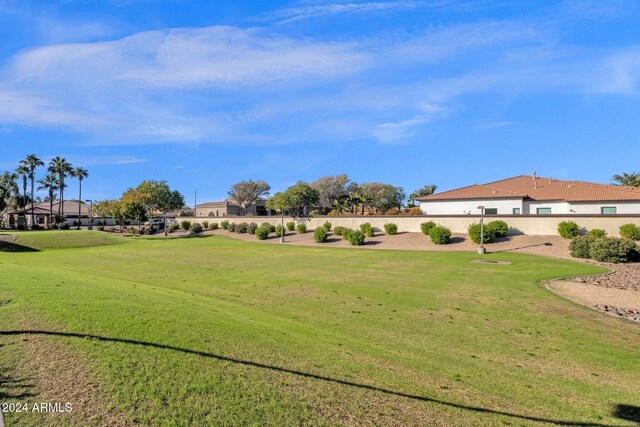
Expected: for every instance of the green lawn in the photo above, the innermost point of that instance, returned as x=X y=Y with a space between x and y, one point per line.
x=197 y=331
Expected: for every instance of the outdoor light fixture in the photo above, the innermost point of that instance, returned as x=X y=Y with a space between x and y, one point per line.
x=481 y=249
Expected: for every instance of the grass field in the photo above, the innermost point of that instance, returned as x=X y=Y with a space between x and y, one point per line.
x=213 y=331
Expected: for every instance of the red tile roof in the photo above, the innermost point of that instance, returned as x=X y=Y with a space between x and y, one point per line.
x=528 y=187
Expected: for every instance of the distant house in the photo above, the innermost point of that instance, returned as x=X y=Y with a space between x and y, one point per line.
x=42 y=214
x=532 y=195
x=230 y=208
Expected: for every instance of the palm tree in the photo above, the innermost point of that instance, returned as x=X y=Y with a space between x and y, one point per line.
x=49 y=183
x=628 y=179
x=32 y=162
x=23 y=171
x=421 y=192
x=81 y=174
x=62 y=168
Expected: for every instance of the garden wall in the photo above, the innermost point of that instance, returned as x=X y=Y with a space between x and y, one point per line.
x=520 y=224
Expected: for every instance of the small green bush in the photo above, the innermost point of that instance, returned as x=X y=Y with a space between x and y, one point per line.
x=242 y=227
x=64 y=226
x=213 y=226
x=580 y=246
x=568 y=229
x=301 y=228
x=196 y=228
x=630 y=231
x=174 y=227
x=224 y=224
x=498 y=228
x=251 y=228
x=474 y=234
x=613 y=249
x=346 y=233
x=149 y=231
x=597 y=233
x=279 y=231
x=367 y=229
x=271 y=227
x=185 y=225
x=391 y=229
x=291 y=225
x=262 y=232
x=356 y=237
x=426 y=226
x=440 y=235
x=231 y=227
x=327 y=226
x=205 y=224
x=320 y=235
x=338 y=231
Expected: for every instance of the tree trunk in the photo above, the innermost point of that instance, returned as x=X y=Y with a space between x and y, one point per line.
x=79 y=201
x=32 y=196
x=50 y=207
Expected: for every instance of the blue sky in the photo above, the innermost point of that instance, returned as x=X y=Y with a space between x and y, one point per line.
x=206 y=93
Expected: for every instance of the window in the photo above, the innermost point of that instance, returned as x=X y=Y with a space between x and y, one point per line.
x=491 y=211
x=543 y=211
x=608 y=210
x=516 y=211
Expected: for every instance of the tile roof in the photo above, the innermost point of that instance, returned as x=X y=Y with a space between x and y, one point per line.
x=528 y=187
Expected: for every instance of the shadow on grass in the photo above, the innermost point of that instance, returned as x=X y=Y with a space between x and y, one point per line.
x=523 y=247
x=14 y=388
x=625 y=412
x=14 y=247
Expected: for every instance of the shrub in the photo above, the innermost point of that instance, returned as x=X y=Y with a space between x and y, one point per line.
x=426 y=226
x=213 y=226
x=251 y=228
x=301 y=228
x=224 y=224
x=101 y=228
x=630 y=231
x=185 y=225
x=413 y=211
x=242 y=227
x=498 y=228
x=391 y=229
x=320 y=235
x=196 y=228
x=568 y=229
x=149 y=231
x=580 y=246
x=64 y=226
x=291 y=225
x=205 y=224
x=613 y=249
x=355 y=237
x=440 y=235
x=474 y=234
x=327 y=226
x=271 y=227
x=174 y=227
x=338 y=231
x=262 y=232
x=346 y=232
x=279 y=231
x=231 y=227
x=597 y=233
x=392 y=211
x=367 y=229
x=37 y=227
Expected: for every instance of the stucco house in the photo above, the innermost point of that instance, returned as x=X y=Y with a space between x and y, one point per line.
x=230 y=208
x=42 y=214
x=532 y=195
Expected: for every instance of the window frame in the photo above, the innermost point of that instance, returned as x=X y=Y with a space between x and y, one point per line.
x=539 y=211
x=518 y=211
x=602 y=210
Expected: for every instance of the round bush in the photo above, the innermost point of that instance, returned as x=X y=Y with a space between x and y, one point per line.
x=327 y=226
x=242 y=227
x=262 y=233
x=320 y=235
x=279 y=231
x=252 y=227
x=205 y=224
x=271 y=227
x=291 y=225
x=391 y=229
x=338 y=231
x=364 y=226
x=597 y=233
x=185 y=225
x=149 y=231
x=356 y=237
x=580 y=246
x=213 y=226
x=568 y=229
x=630 y=231
x=231 y=227
x=613 y=249
x=498 y=228
x=224 y=224
x=440 y=235
x=346 y=233
x=301 y=228
x=426 y=226
x=367 y=229
x=474 y=234
x=196 y=228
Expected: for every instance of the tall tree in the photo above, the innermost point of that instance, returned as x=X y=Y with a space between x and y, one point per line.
x=32 y=162
x=23 y=172
x=295 y=199
x=421 y=192
x=50 y=184
x=628 y=179
x=245 y=193
x=81 y=174
x=9 y=192
x=381 y=197
x=62 y=168
x=330 y=190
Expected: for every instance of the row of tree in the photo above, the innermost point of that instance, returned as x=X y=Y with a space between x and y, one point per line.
x=53 y=182
x=329 y=194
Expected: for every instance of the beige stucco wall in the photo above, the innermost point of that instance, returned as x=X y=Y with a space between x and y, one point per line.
x=527 y=224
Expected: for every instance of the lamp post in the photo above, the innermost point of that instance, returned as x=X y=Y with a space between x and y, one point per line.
x=90 y=226
x=481 y=249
